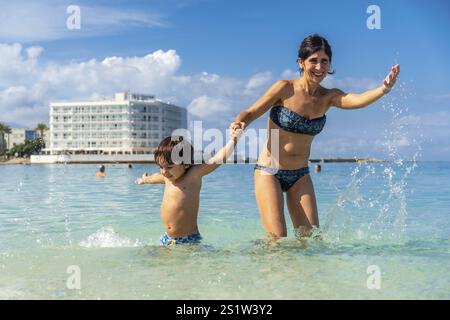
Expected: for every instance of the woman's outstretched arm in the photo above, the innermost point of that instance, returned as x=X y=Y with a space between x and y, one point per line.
x=355 y=101
x=276 y=92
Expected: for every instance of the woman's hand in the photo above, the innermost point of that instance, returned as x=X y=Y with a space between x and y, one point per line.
x=389 y=81
x=237 y=125
x=235 y=134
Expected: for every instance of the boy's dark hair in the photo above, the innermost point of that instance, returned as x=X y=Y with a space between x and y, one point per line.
x=174 y=150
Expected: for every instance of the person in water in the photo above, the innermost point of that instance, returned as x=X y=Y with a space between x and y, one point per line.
x=297 y=108
x=182 y=182
x=101 y=171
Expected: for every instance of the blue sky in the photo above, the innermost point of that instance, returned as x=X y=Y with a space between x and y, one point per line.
x=224 y=54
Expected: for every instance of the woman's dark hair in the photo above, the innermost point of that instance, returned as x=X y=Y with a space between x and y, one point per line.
x=311 y=44
x=174 y=150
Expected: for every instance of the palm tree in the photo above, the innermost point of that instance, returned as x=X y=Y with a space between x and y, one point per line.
x=41 y=127
x=3 y=129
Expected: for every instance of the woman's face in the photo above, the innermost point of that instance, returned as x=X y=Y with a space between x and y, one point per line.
x=316 y=66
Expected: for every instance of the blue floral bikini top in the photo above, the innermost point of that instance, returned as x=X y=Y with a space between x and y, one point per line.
x=293 y=122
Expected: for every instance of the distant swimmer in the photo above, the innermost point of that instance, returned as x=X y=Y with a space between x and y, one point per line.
x=101 y=171
x=317 y=168
x=130 y=166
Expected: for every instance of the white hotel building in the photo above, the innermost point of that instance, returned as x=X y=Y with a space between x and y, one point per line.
x=130 y=124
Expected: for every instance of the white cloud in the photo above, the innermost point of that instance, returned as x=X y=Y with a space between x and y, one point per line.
x=439 y=97
x=34 y=52
x=340 y=146
x=15 y=67
x=258 y=81
x=349 y=83
x=436 y=119
x=204 y=107
x=409 y=120
x=395 y=142
x=427 y=124
x=27 y=86
x=209 y=78
x=27 y=21
x=289 y=74
x=22 y=105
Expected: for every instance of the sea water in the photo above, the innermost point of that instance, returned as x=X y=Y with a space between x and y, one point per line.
x=67 y=234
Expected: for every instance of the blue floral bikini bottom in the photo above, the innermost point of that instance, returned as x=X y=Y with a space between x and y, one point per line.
x=287 y=178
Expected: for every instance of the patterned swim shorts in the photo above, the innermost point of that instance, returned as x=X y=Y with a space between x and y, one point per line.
x=169 y=241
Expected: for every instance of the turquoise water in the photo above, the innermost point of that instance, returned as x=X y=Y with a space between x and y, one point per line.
x=394 y=216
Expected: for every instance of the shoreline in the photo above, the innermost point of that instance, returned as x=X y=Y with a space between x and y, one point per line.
x=16 y=161
x=27 y=161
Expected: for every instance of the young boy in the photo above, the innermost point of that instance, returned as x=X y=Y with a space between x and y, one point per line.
x=182 y=183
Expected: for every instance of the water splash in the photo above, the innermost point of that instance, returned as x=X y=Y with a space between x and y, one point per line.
x=397 y=137
x=362 y=212
x=67 y=229
x=339 y=217
x=106 y=237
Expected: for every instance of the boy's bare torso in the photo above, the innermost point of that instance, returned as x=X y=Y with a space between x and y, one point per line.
x=180 y=205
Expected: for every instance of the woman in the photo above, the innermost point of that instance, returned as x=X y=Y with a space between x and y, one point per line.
x=297 y=108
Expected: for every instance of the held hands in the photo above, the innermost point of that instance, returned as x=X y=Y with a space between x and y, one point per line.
x=236 y=133
x=389 y=81
x=237 y=125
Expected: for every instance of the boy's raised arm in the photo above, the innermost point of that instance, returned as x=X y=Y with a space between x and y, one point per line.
x=156 y=178
x=221 y=156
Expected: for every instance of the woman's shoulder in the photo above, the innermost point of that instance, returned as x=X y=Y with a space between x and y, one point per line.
x=279 y=90
x=287 y=82
x=284 y=83
x=330 y=91
x=330 y=95
x=282 y=88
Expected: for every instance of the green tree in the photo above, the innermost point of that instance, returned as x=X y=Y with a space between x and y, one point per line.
x=28 y=148
x=4 y=129
x=41 y=127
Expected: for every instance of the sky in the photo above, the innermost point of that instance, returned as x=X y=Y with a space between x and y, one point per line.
x=216 y=57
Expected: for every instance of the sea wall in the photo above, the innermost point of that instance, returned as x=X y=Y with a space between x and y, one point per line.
x=92 y=158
